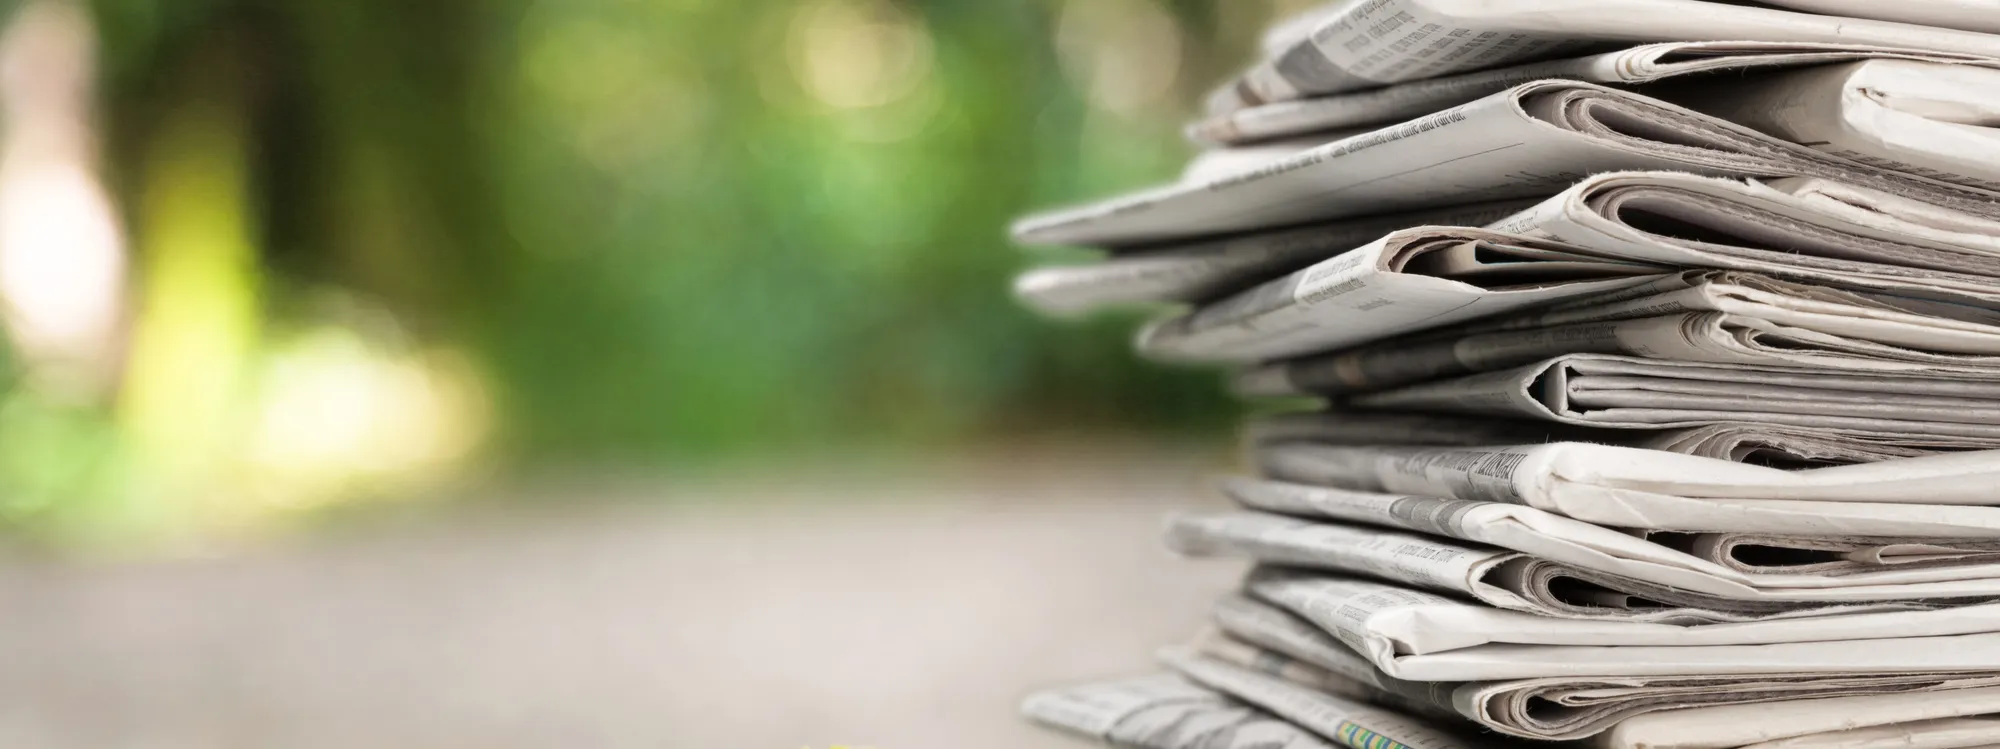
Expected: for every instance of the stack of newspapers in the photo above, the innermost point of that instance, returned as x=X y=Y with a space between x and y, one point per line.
x=1656 y=348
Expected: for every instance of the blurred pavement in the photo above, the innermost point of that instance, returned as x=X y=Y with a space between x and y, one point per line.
x=906 y=611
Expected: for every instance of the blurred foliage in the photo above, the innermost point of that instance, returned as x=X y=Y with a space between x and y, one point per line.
x=654 y=229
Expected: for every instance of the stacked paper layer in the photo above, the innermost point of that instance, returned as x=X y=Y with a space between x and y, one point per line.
x=1661 y=382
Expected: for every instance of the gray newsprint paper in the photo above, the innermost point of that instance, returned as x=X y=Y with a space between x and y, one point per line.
x=1731 y=565
x=1636 y=65
x=1909 y=116
x=1796 y=447
x=1267 y=639
x=1204 y=270
x=1421 y=636
x=1846 y=234
x=1738 y=441
x=1398 y=428
x=1935 y=496
x=1350 y=721
x=1920 y=274
x=1626 y=392
x=1528 y=141
x=1363 y=44
x=1514 y=581
x=1702 y=318
x=1410 y=279
x=1163 y=712
x=1940 y=733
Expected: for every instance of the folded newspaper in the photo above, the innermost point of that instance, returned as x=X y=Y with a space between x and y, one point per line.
x=1369 y=43
x=1164 y=712
x=1205 y=270
x=1656 y=346
x=1644 y=64
x=1738 y=441
x=1625 y=392
x=1897 y=264
x=1612 y=712
x=1530 y=140
x=1942 y=495
x=1567 y=589
x=1263 y=637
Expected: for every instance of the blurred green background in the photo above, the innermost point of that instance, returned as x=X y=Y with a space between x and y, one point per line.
x=350 y=249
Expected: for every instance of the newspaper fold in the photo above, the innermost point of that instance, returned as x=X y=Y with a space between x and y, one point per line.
x=1700 y=318
x=1420 y=636
x=1765 y=444
x=1406 y=428
x=1763 y=553
x=1417 y=278
x=1266 y=639
x=1922 y=277
x=1631 y=393
x=1933 y=496
x=1201 y=271
x=1532 y=140
x=1163 y=712
x=1941 y=733
x=1725 y=564
x=1973 y=15
x=1935 y=120
x=1365 y=44
x=1635 y=65
x=1741 y=441
x=1519 y=582
x=1817 y=229
x=1352 y=722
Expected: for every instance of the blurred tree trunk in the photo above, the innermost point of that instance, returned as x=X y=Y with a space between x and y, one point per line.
x=360 y=123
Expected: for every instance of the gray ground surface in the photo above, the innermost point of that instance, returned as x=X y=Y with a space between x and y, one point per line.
x=897 y=614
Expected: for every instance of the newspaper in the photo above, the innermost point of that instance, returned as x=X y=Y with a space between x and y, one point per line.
x=1862 y=205
x=1416 y=278
x=1631 y=393
x=1865 y=315
x=1267 y=639
x=1636 y=65
x=1712 y=337
x=1738 y=441
x=1393 y=428
x=1421 y=636
x=1746 y=442
x=1896 y=720
x=1363 y=44
x=1942 y=733
x=1881 y=241
x=1163 y=712
x=1221 y=162
x=1761 y=553
x=1936 y=496
x=1700 y=318
x=1973 y=15
x=1349 y=721
x=1202 y=271
x=1834 y=568
x=1905 y=273
x=1515 y=581
x=1909 y=116
x=1531 y=140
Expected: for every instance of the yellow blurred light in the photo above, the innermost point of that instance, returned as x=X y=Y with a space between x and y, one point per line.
x=199 y=320
x=334 y=414
x=858 y=55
